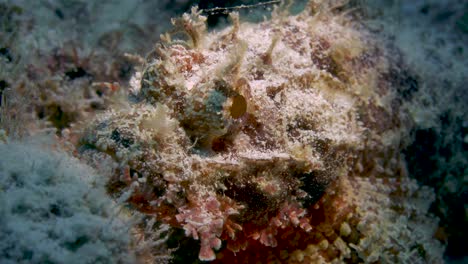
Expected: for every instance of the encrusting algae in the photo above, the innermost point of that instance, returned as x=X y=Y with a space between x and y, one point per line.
x=276 y=142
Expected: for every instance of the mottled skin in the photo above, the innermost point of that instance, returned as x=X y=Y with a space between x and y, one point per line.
x=265 y=137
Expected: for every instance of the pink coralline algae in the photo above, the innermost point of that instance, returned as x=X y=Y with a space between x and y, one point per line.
x=274 y=142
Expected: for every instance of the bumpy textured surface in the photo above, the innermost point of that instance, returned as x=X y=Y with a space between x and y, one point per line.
x=276 y=142
x=54 y=210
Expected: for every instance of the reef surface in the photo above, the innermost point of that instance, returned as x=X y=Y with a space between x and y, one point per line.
x=292 y=140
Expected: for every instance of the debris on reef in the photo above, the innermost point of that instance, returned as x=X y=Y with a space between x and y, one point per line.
x=273 y=142
x=63 y=61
